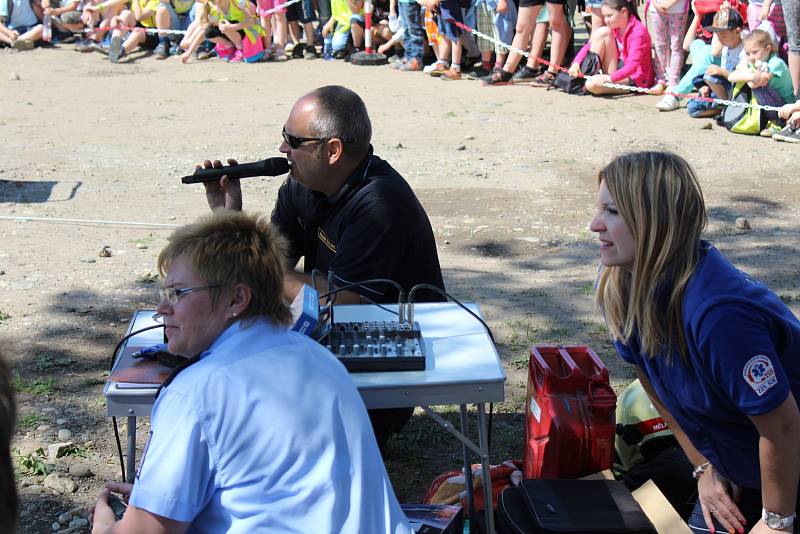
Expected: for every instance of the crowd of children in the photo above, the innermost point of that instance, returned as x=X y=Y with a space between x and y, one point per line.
x=735 y=50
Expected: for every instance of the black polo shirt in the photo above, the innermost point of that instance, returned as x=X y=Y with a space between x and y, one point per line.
x=373 y=228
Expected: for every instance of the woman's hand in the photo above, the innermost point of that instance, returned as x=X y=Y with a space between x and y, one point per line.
x=101 y=516
x=574 y=70
x=762 y=528
x=223 y=25
x=715 y=494
x=225 y=193
x=502 y=6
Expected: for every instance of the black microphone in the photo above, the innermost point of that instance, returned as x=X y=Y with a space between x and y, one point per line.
x=266 y=167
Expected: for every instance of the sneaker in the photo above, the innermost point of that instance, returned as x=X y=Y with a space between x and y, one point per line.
x=297 y=51
x=499 y=77
x=397 y=64
x=658 y=89
x=452 y=74
x=204 y=54
x=82 y=45
x=668 y=103
x=478 y=72
x=309 y=53
x=101 y=48
x=434 y=66
x=280 y=55
x=237 y=57
x=525 y=75
x=23 y=44
x=770 y=130
x=788 y=135
x=412 y=65
x=438 y=69
x=162 y=50
x=545 y=79
x=115 y=49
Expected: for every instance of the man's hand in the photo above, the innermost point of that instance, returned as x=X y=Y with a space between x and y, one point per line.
x=574 y=70
x=716 y=495
x=101 y=516
x=502 y=6
x=224 y=193
x=714 y=70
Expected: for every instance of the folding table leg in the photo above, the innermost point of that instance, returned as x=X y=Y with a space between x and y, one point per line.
x=468 y=474
x=130 y=461
x=483 y=443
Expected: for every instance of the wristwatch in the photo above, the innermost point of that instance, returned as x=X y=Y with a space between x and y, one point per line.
x=777 y=521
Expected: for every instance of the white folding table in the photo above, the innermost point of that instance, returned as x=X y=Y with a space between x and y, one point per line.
x=461 y=367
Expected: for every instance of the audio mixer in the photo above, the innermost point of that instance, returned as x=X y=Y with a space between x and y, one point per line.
x=377 y=345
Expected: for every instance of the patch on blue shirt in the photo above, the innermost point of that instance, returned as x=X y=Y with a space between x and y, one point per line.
x=760 y=374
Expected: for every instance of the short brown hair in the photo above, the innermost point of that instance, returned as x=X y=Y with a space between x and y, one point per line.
x=229 y=247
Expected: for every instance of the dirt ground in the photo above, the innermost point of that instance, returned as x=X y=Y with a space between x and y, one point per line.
x=507 y=176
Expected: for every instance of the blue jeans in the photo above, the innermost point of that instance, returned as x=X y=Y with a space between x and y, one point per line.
x=700 y=52
x=414 y=38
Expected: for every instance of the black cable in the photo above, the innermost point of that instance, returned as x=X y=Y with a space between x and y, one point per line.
x=452 y=298
x=114 y=419
x=119 y=448
x=488 y=331
x=126 y=338
x=361 y=284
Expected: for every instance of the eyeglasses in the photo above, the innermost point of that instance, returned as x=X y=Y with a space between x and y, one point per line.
x=172 y=295
x=294 y=142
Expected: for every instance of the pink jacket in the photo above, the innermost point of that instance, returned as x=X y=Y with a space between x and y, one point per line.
x=634 y=50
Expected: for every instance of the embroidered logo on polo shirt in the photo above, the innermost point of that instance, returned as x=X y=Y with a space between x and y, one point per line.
x=326 y=240
x=760 y=374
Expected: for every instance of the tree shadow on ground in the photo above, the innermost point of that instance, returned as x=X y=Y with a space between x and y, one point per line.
x=33 y=192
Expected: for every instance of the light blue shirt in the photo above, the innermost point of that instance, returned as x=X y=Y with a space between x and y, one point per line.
x=21 y=14
x=266 y=433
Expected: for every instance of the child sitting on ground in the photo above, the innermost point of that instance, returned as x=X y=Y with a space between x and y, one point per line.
x=766 y=74
x=19 y=26
x=727 y=28
x=230 y=23
x=338 y=27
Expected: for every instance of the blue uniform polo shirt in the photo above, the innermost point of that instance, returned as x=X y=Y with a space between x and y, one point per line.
x=743 y=360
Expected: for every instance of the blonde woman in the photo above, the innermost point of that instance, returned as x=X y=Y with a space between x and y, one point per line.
x=718 y=353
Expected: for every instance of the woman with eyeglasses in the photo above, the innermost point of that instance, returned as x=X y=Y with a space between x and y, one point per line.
x=717 y=352
x=263 y=431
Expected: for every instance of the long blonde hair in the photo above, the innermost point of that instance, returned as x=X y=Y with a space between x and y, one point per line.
x=658 y=196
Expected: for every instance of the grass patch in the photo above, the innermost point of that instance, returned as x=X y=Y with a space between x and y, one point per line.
x=587 y=289
x=37 y=386
x=4 y=316
x=33 y=463
x=48 y=361
x=75 y=450
x=29 y=420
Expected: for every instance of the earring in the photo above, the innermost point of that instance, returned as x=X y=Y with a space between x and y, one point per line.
x=234 y=314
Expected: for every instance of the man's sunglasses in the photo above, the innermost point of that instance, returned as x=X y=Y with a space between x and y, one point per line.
x=294 y=142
